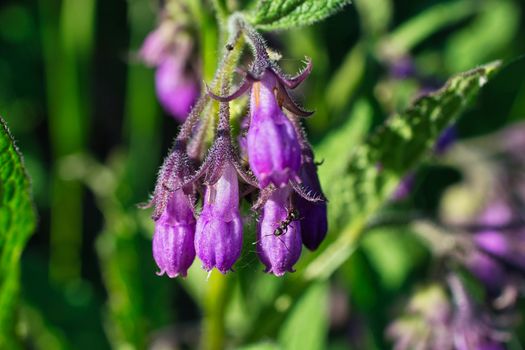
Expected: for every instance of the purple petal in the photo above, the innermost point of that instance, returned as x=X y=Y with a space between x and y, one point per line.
x=278 y=253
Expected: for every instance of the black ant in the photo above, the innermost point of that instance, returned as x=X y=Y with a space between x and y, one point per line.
x=292 y=215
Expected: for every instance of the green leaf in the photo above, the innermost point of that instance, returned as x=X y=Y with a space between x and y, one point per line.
x=418 y=28
x=386 y=249
x=479 y=41
x=17 y=222
x=376 y=166
x=307 y=323
x=283 y=14
x=260 y=346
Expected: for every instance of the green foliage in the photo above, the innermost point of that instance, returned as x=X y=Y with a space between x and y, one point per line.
x=414 y=31
x=108 y=295
x=398 y=146
x=17 y=222
x=496 y=23
x=284 y=14
x=306 y=324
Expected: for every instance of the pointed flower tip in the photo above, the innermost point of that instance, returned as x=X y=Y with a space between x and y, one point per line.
x=279 y=272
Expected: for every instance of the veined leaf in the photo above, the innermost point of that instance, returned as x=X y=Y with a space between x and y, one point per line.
x=283 y=14
x=17 y=221
x=376 y=166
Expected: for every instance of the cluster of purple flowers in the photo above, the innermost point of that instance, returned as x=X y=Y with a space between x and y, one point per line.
x=281 y=167
x=434 y=320
x=497 y=234
x=490 y=244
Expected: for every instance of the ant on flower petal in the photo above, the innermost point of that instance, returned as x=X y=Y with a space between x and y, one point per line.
x=292 y=215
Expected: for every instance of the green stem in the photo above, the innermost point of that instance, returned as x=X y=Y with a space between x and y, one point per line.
x=67 y=44
x=215 y=307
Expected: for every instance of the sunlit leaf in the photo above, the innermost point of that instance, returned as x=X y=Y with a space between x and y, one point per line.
x=17 y=221
x=283 y=14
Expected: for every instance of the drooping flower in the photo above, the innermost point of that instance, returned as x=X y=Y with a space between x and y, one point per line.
x=274 y=153
x=173 y=248
x=177 y=88
x=312 y=215
x=170 y=50
x=273 y=146
x=278 y=235
x=218 y=239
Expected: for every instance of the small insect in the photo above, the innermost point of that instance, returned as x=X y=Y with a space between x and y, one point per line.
x=292 y=215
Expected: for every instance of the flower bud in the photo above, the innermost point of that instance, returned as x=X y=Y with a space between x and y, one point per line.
x=218 y=239
x=273 y=148
x=173 y=248
x=279 y=249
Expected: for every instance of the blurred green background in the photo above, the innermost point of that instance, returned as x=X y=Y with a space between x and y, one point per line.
x=83 y=110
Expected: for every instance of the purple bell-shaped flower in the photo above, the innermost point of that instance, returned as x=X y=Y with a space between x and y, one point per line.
x=274 y=152
x=218 y=239
x=278 y=234
x=173 y=248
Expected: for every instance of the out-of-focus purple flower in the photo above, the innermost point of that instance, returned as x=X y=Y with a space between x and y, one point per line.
x=218 y=239
x=173 y=248
x=177 y=89
x=445 y=140
x=176 y=81
x=472 y=328
x=497 y=240
x=487 y=270
x=426 y=325
x=273 y=148
x=508 y=247
x=313 y=216
x=278 y=253
x=402 y=68
x=158 y=44
x=405 y=187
